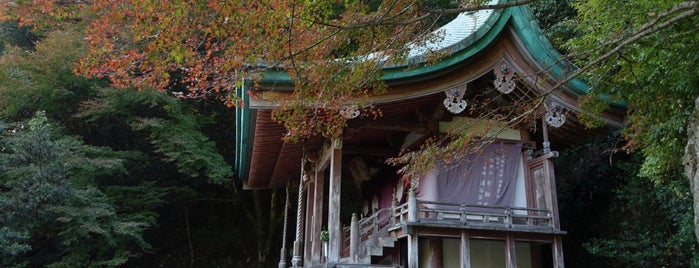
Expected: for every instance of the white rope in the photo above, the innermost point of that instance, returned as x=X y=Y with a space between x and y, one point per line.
x=286 y=217
x=296 y=260
x=299 y=212
x=282 y=255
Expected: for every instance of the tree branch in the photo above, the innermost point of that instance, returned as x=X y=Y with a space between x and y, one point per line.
x=641 y=32
x=691 y=5
x=477 y=7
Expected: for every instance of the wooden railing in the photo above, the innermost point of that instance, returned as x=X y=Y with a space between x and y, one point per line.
x=366 y=232
x=448 y=213
x=400 y=213
x=510 y=217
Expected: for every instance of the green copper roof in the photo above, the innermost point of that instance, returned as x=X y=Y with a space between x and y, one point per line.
x=539 y=47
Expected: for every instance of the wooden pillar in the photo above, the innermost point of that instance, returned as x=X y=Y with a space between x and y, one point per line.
x=413 y=253
x=510 y=251
x=317 y=217
x=310 y=235
x=555 y=221
x=334 y=228
x=551 y=181
x=412 y=206
x=354 y=238
x=465 y=250
x=558 y=252
x=394 y=204
x=545 y=135
x=550 y=178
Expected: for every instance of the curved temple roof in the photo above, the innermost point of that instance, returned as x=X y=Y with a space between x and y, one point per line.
x=453 y=36
x=468 y=34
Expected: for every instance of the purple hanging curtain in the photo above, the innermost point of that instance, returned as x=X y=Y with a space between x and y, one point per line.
x=485 y=178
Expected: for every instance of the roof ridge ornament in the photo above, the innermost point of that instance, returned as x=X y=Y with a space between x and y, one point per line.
x=455 y=102
x=503 y=78
x=555 y=116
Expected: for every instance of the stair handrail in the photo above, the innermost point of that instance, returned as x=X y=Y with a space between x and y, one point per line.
x=368 y=228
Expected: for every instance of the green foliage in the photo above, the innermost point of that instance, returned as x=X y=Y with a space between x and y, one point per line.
x=11 y=34
x=171 y=127
x=617 y=218
x=655 y=223
x=118 y=202
x=657 y=75
x=137 y=202
x=42 y=79
x=32 y=176
x=558 y=19
x=89 y=217
x=51 y=217
x=593 y=106
x=324 y=235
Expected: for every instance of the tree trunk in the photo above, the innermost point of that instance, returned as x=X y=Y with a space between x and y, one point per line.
x=691 y=162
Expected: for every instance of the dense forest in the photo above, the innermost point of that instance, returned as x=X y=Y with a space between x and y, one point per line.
x=92 y=175
x=96 y=176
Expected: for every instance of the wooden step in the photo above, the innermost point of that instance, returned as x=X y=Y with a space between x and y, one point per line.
x=374 y=250
x=364 y=260
x=387 y=241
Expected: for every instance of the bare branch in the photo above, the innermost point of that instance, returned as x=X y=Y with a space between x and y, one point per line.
x=428 y=12
x=477 y=7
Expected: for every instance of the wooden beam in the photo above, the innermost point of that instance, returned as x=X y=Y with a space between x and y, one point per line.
x=370 y=151
x=388 y=125
x=334 y=228
x=323 y=157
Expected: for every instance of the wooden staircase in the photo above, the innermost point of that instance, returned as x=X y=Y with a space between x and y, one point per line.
x=375 y=247
x=373 y=238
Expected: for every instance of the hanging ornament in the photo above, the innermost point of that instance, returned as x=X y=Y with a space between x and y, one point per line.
x=554 y=115
x=455 y=102
x=503 y=79
x=349 y=112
